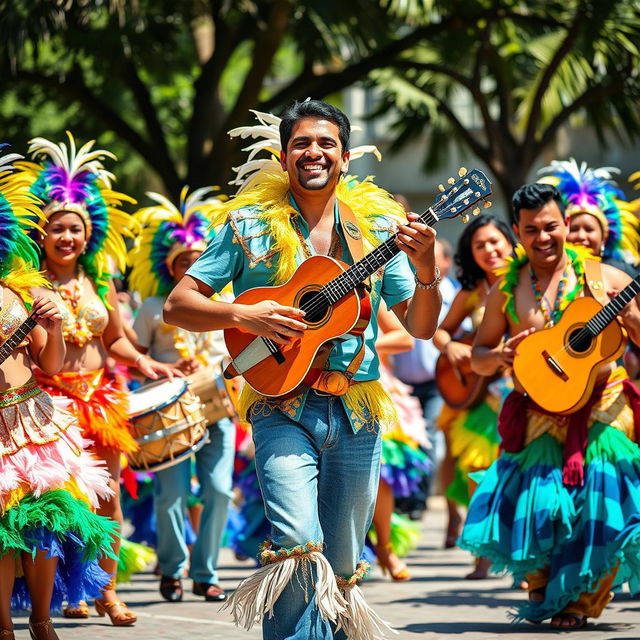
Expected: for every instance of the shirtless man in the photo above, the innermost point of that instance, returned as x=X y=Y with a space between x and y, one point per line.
x=542 y=508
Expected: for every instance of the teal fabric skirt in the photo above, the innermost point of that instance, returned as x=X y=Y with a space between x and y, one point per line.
x=523 y=518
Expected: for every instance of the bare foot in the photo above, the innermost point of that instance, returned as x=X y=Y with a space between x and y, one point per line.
x=481 y=571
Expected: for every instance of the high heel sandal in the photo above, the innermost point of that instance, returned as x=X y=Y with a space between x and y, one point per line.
x=79 y=610
x=123 y=619
x=383 y=551
x=38 y=629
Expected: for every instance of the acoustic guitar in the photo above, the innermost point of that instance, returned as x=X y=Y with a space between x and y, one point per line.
x=558 y=366
x=10 y=344
x=335 y=303
x=461 y=387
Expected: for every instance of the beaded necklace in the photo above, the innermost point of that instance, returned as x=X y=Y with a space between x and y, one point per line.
x=510 y=275
x=550 y=315
x=77 y=332
x=333 y=249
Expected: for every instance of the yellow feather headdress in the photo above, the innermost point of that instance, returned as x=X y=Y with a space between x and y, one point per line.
x=19 y=212
x=165 y=232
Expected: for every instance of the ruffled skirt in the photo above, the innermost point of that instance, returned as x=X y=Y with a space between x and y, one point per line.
x=100 y=404
x=48 y=487
x=525 y=520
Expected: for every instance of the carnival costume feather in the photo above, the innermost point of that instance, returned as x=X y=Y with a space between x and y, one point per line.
x=48 y=483
x=165 y=232
x=74 y=180
x=593 y=191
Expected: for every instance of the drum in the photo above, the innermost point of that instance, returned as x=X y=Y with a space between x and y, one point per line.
x=167 y=423
x=215 y=393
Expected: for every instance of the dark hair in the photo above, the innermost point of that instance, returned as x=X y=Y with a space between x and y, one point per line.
x=469 y=272
x=314 y=109
x=534 y=196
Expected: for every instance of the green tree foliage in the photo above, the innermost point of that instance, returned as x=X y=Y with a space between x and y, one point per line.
x=161 y=82
x=522 y=73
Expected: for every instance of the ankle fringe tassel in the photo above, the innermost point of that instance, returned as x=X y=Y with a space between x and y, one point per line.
x=257 y=595
x=361 y=622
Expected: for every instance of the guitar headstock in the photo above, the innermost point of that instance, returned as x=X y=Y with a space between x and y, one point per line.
x=467 y=192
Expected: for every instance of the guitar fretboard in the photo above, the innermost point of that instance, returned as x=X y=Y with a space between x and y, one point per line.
x=606 y=315
x=9 y=345
x=348 y=280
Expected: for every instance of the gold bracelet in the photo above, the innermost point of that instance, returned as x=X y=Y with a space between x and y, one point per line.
x=429 y=285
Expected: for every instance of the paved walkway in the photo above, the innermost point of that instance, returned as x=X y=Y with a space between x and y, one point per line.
x=436 y=603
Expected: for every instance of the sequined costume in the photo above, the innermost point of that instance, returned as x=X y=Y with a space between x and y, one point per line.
x=48 y=483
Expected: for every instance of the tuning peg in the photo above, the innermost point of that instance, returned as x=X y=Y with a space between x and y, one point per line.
x=441 y=188
x=476 y=211
x=462 y=172
x=487 y=204
x=465 y=219
x=451 y=181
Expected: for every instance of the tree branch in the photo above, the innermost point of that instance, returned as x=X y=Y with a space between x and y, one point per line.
x=561 y=53
x=73 y=88
x=593 y=95
x=265 y=48
x=475 y=145
x=322 y=85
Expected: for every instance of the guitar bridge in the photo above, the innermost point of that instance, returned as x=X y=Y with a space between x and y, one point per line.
x=554 y=366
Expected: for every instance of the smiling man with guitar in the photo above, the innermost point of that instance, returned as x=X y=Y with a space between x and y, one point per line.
x=558 y=505
x=318 y=450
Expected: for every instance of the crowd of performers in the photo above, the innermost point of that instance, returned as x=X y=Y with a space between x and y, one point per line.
x=309 y=486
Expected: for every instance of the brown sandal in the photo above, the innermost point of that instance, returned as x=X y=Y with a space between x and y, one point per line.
x=37 y=630
x=118 y=619
x=79 y=610
x=578 y=621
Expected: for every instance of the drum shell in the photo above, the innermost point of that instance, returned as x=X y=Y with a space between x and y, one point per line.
x=214 y=393
x=169 y=433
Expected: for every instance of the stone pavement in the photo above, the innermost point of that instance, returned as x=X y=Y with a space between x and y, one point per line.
x=437 y=603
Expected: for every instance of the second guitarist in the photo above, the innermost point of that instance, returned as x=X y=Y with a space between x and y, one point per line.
x=560 y=504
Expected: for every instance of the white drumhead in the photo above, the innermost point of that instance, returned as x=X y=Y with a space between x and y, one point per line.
x=154 y=395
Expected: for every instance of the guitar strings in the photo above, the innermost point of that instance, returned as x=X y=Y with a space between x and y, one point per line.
x=322 y=298
x=370 y=260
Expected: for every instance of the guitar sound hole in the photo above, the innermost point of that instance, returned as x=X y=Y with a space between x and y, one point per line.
x=580 y=340
x=315 y=305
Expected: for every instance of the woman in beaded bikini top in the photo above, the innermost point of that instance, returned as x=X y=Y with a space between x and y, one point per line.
x=83 y=237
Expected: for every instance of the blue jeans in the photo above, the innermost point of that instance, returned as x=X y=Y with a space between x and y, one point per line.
x=319 y=481
x=214 y=468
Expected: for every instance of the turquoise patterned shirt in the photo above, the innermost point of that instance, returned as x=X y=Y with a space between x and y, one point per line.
x=241 y=253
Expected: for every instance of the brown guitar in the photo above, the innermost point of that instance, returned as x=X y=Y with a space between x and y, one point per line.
x=558 y=366
x=330 y=293
x=460 y=387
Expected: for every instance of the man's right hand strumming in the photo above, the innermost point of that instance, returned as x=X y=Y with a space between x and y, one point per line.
x=272 y=320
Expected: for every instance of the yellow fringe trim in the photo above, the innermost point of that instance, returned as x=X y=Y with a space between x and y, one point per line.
x=16 y=495
x=374 y=209
x=367 y=404
x=22 y=278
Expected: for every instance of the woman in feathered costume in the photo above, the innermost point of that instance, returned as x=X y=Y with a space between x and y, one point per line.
x=50 y=540
x=171 y=239
x=83 y=230
x=600 y=218
x=472 y=433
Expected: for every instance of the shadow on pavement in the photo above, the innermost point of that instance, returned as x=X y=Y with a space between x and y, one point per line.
x=463 y=598
x=455 y=628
